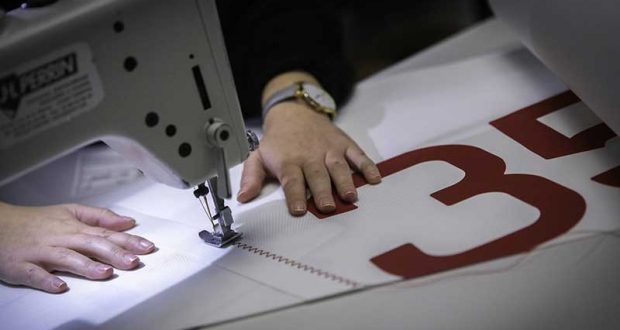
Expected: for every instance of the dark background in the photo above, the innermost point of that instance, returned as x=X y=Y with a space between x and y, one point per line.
x=380 y=33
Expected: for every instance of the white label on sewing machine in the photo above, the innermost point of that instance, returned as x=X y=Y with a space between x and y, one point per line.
x=47 y=92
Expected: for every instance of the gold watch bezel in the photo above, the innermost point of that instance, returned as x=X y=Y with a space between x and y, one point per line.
x=301 y=93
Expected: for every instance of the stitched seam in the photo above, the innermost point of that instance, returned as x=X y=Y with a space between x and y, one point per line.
x=297 y=265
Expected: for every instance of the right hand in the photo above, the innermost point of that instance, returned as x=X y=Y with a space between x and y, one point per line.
x=36 y=241
x=300 y=148
x=303 y=148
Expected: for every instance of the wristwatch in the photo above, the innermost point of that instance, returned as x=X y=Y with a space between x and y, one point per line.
x=314 y=96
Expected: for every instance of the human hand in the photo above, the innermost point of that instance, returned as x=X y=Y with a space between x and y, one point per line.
x=35 y=241
x=301 y=146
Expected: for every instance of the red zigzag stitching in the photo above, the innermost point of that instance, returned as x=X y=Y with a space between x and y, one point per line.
x=297 y=264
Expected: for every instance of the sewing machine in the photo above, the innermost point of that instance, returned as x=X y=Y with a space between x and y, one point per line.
x=568 y=285
x=149 y=78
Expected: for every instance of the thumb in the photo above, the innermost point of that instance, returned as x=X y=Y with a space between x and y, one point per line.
x=252 y=177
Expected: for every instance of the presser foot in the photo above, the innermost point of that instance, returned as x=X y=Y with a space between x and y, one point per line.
x=222 y=233
x=219 y=239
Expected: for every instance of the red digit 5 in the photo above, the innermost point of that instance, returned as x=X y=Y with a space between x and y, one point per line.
x=523 y=127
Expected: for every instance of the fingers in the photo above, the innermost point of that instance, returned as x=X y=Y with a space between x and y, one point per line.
x=340 y=173
x=67 y=260
x=31 y=275
x=252 y=178
x=363 y=164
x=132 y=243
x=101 y=249
x=73 y=257
x=319 y=183
x=292 y=180
x=100 y=217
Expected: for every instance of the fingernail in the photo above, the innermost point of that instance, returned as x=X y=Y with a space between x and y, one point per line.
x=375 y=175
x=328 y=206
x=130 y=259
x=146 y=244
x=58 y=283
x=129 y=219
x=350 y=196
x=103 y=268
x=299 y=207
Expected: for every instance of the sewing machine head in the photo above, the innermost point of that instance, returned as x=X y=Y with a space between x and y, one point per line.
x=149 y=78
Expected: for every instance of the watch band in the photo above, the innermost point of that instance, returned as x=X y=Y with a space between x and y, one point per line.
x=282 y=95
x=299 y=90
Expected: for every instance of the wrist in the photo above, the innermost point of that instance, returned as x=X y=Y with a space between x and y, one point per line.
x=283 y=114
x=308 y=93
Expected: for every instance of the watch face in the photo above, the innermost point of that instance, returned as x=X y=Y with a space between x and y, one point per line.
x=320 y=96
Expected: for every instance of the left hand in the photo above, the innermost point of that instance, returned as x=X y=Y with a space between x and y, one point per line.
x=301 y=146
x=83 y=240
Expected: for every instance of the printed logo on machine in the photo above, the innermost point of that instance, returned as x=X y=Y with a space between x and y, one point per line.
x=14 y=87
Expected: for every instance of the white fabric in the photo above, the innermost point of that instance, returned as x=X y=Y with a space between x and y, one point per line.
x=290 y=260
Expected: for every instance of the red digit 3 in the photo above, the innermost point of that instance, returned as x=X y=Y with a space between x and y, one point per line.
x=560 y=208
